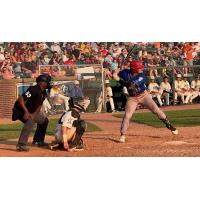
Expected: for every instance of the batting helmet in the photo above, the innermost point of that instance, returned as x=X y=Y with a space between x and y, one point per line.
x=135 y=66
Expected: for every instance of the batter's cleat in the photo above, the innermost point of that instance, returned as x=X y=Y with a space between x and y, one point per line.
x=170 y=127
x=174 y=131
x=22 y=147
x=122 y=139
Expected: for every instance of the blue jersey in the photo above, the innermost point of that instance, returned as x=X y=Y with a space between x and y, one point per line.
x=136 y=83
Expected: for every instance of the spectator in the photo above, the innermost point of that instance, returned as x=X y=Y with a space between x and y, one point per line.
x=77 y=95
x=165 y=90
x=154 y=90
x=153 y=71
x=195 y=87
x=76 y=52
x=186 y=87
x=6 y=71
x=56 y=59
x=29 y=67
x=109 y=98
x=188 y=57
x=16 y=62
x=2 y=57
x=55 y=47
x=44 y=59
x=180 y=91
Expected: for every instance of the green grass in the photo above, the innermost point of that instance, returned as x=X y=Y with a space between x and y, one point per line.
x=178 y=118
x=12 y=131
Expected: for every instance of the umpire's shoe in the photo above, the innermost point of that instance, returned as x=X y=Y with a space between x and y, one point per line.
x=22 y=147
x=40 y=144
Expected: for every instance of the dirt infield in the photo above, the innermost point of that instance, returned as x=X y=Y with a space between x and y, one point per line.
x=142 y=140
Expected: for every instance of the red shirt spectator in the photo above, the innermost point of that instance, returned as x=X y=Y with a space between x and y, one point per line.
x=69 y=62
x=188 y=50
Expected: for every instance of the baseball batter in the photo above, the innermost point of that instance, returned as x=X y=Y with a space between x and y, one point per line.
x=134 y=80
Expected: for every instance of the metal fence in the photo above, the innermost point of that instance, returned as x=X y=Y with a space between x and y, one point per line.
x=90 y=77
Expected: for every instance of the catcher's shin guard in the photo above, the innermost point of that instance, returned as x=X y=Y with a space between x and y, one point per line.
x=80 y=129
x=40 y=131
x=169 y=126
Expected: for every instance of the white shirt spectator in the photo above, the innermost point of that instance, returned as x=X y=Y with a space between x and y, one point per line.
x=178 y=85
x=154 y=90
x=165 y=86
x=109 y=91
x=195 y=84
x=2 y=58
x=153 y=87
x=56 y=47
x=186 y=84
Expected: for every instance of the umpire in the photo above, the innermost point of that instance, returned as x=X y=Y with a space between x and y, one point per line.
x=27 y=110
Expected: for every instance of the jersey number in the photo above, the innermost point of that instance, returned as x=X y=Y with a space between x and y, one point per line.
x=28 y=94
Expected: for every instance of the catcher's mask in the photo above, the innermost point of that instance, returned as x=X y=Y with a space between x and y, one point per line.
x=79 y=107
x=45 y=78
x=135 y=66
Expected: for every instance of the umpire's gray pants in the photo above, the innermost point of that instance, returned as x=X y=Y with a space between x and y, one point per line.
x=28 y=127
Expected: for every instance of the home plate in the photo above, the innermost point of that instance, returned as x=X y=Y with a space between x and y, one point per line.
x=178 y=142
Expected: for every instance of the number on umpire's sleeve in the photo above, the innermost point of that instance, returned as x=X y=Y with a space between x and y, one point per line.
x=28 y=94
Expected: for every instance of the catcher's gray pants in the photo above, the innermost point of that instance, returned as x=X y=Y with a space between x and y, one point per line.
x=28 y=127
x=143 y=99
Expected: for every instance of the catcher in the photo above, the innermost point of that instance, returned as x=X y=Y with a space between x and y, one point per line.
x=69 y=130
x=134 y=80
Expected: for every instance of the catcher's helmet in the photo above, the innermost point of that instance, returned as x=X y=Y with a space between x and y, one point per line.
x=136 y=65
x=79 y=107
x=45 y=78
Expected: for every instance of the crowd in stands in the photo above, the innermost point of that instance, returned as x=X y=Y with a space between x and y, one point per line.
x=19 y=59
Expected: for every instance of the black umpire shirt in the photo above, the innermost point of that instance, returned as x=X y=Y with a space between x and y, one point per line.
x=33 y=98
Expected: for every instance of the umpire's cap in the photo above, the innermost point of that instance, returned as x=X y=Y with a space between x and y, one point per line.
x=45 y=78
x=79 y=107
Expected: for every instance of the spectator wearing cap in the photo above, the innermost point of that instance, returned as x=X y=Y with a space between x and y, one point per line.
x=179 y=90
x=55 y=47
x=109 y=95
x=77 y=95
x=195 y=87
x=154 y=90
x=109 y=98
x=165 y=89
x=186 y=87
